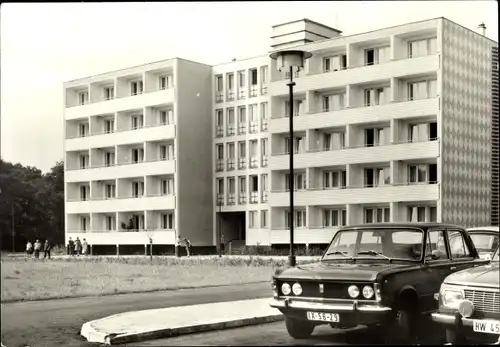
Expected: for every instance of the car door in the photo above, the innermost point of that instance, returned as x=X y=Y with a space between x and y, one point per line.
x=461 y=256
x=436 y=267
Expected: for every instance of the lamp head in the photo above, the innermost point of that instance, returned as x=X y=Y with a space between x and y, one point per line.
x=291 y=58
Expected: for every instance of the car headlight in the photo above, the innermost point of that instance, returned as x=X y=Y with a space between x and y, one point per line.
x=297 y=289
x=368 y=292
x=286 y=289
x=353 y=291
x=451 y=297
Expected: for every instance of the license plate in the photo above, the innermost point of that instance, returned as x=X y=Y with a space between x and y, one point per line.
x=323 y=317
x=487 y=326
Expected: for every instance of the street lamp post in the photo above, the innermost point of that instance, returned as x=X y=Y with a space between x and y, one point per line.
x=291 y=61
x=219 y=234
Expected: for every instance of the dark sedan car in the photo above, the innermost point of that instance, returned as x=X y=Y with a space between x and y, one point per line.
x=379 y=275
x=469 y=304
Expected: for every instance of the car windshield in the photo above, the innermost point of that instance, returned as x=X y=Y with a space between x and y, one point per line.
x=383 y=243
x=485 y=242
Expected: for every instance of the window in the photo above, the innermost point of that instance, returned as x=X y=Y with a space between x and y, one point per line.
x=167 y=186
x=263 y=187
x=109 y=93
x=230 y=82
x=435 y=248
x=83 y=193
x=110 y=191
x=242 y=120
x=166 y=117
x=83 y=98
x=264 y=151
x=335 y=63
x=333 y=141
x=377 y=137
x=109 y=158
x=231 y=190
x=377 y=55
x=377 y=215
x=419 y=48
x=110 y=223
x=219 y=83
x=137 y=155
x=230 y=156
x=137 y=189
x=263 y=219
x=253 y=153
x=416 y=213
x=299 y=219
x=297 y=108
x=230 y=121
x=263 y=116
x=109 y=126
x=252 y=218
x=422 y=90
x=253 y=77
x=333 y=102
x=377 y=176
x=422 y=173
x=167 y=221
x=83 y=129
x=334 y=217
x=458 y=247
x=422 y=132
x=334 y=179
x=299 y=181
x=297 y=145
x=242 y=154
x=84 y=161
x=252 y=110
x=377 y=96
x=242 y=186
x=84 y=223
x=220 y=186
x=219 y=123
x=263 y=79
x=220 y=157
x=167 y=152
x=242 y=79
x=137 y=122
x=136 y=87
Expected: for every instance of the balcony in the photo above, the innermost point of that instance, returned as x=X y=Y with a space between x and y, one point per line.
x=357 y=155
x=360 y=74
x=155 y=97
x=357 y=195
x=150 y=133
x=147 y=168
x=303 y=235
x=162 y=237
x=399 y=109
x=127 y=204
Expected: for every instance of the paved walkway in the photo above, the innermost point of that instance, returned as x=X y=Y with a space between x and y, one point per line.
x=173 y=321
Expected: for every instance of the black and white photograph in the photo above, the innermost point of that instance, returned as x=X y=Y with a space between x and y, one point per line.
x=249 y=173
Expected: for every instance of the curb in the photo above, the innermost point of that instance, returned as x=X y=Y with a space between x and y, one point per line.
x=115 y=339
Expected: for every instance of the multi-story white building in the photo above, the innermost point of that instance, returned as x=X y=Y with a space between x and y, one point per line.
x=137 y=161
x=396 y=124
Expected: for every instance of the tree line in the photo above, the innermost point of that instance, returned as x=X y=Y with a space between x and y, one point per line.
x=31 y=205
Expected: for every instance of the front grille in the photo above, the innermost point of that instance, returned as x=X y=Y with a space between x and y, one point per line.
x=484 y=301
x=330 y=290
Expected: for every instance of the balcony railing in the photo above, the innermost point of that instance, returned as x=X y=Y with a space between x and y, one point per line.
x=253 y=92
x=242 y=198
x=219 y=165
x=254 y=127
x=220 y=199
x=254 y=197
x=230 y=164
x=119 y=97
x=242 y=129
x=254 y=163
x=230 y=95
x=242 y=94
x=264 y=196
x=219 y=131
x=127 y=196
x=104 y=132
x=264 y=161
x=397 y=184
x=263 y=90
x=123 y=163
x=264 y=125
x=230 y=130
x=219 y=97
x=231 y=199
x=242 y=163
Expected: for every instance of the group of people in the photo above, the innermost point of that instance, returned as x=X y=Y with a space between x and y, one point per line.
x=77 y=247
x=36 y=248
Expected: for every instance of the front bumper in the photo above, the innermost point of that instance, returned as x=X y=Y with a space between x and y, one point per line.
x=349 y=313
x=463 y=326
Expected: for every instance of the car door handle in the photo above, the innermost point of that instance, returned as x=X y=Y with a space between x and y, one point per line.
x=453 y=268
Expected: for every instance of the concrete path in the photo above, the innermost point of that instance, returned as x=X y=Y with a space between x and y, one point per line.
x=150 y=324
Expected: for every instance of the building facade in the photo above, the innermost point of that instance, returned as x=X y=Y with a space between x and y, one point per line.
x=394 y=125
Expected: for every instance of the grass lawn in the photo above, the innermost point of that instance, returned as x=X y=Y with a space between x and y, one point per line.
x=29 y=279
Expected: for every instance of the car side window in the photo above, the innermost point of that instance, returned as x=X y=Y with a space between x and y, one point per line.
x=458 y=246
x=435 y=248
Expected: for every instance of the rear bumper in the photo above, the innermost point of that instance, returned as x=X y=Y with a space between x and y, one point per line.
x=349 y=313
x=463 y=327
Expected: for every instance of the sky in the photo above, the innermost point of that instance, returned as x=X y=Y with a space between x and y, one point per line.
x=46 y=44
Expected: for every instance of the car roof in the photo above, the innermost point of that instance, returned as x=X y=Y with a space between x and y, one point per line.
x=478 y=229
x=422 y=225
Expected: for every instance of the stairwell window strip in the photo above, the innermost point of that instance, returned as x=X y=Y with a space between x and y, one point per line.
x=136 y=87
x=334 y=217
x=167 y=221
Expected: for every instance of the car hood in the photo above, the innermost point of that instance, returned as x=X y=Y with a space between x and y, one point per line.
x=483 y=276
x=328 y=270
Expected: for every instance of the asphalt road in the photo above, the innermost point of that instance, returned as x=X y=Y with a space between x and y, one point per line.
x=58 y=322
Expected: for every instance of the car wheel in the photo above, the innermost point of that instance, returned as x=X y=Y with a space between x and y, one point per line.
x=298 y=329
x=402 y=328
x=454 y=338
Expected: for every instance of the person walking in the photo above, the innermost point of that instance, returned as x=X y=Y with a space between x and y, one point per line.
x=85 y=247
x=71 y=247
x=29 y=249
x=46 y=249
x=38 y=247
x=78 y=246
x=187 y=243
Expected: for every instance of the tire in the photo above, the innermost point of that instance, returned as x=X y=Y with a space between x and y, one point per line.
x=454 y=338
x=298 y=329
x=402 y=329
